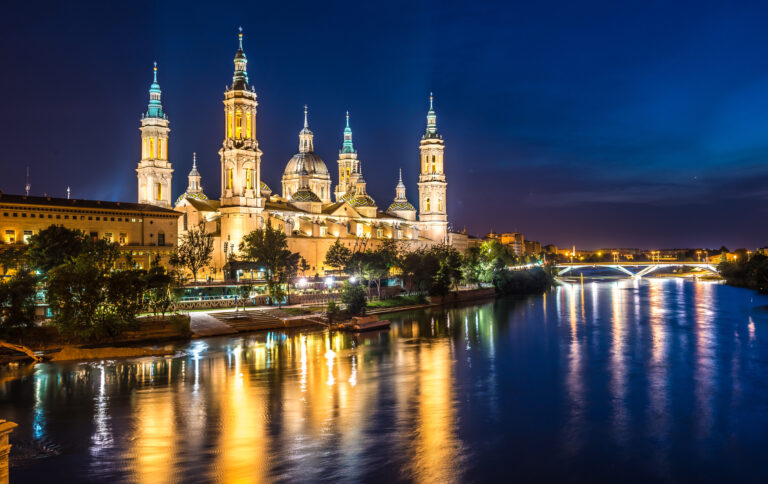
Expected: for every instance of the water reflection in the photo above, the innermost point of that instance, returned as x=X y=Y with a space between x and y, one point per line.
x=627 y=370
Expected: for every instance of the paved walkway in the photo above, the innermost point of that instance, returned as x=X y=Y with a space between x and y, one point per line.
x=203 y=324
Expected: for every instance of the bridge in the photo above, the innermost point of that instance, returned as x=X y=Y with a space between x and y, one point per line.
x=640 y=268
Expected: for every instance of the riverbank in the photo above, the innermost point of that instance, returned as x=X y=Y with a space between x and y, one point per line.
x=143 y=340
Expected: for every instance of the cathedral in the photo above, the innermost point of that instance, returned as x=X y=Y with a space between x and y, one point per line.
x=308 y=209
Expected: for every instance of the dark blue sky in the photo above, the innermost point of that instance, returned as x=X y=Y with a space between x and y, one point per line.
x=635 y=124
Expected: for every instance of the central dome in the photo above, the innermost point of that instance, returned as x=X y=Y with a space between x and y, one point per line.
x=310 y=162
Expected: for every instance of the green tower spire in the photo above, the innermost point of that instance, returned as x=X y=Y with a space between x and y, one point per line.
x=348 y=147
x=431 y=120
x=155 y=108
x=240 y=79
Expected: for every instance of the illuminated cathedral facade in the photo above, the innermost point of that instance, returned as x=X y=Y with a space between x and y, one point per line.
x=311 y=212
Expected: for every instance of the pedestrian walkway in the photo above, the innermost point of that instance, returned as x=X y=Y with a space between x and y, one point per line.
x=203 y=324
x=215 y=323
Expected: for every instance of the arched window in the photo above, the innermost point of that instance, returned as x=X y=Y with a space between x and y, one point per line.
x=159 y=190
x=248 y=125
x=439 y=204
x=229 y=178
x=152 y=148
x=248 y=179
x=434 y=163
x=145 y=149
x=229 y=124
x=238 y=124
x=426 y=203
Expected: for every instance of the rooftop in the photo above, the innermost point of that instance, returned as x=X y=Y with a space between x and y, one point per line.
x=78 y=203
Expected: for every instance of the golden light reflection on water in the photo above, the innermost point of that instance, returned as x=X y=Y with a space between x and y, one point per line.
x=153 y=447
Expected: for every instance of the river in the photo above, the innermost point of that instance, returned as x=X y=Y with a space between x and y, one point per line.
x=663 y=379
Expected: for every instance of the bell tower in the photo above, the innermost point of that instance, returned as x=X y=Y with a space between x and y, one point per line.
x=154 y=172
x=241 y=201
x=348 y=164
x=432 y=185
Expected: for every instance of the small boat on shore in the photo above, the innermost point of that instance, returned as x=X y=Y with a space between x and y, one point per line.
x=368 y=323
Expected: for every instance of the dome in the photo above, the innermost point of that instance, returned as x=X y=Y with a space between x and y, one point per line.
x=305 y=195
x=401 y=206
x=196 y=196
x=313 y=164
x=362 y=201
x=347 y=197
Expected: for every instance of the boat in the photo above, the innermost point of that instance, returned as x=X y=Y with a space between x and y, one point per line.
x=368 y=323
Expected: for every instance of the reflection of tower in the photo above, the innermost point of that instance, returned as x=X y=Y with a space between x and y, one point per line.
x=348 y=164
x=432 y=185
x=28 y=185
x=154 y=170
x=241 y=201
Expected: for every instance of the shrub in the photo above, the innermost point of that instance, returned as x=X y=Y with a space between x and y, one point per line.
x=353 y=295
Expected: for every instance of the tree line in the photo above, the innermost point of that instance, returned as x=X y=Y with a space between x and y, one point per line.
x=74 y=274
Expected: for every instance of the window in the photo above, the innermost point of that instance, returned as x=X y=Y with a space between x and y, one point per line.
x=238 y=124
x=229 y=124
x=98 y=218
x=323 y=231
x=23 y=215
x=359 y=230
x=51 y=216
x=108 y=236
x=248 y=179
x=185 y=221
x=229 y=178
x=426 y=203
x=89 y=218
x=111 y=219
x=15 y=214
x=27 y=235
x=10 y=236
x=151 y=147
x=32 y=215
x=58 y=216
x=248 y=125
x=122 y=239
x=66 y=217
x=379 y=233
x=439 y=204
x=159 y=190
x=94 y=236
x=161 y=238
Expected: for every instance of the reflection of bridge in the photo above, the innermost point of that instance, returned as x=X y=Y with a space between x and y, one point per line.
x=640 y=268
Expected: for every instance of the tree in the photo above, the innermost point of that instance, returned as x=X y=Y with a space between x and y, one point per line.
x=268 y=247
x=53 y=246
x=448 y=273
x=332 y=311
x=158 y=285
x=337 y=255
x=195 y=249
x=11 y=258
x=472 y=265
x=303 y=266
x=353 y=296
x=79 y=290
x=17 y=302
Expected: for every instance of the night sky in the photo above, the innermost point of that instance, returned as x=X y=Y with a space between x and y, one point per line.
x=600 y=124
